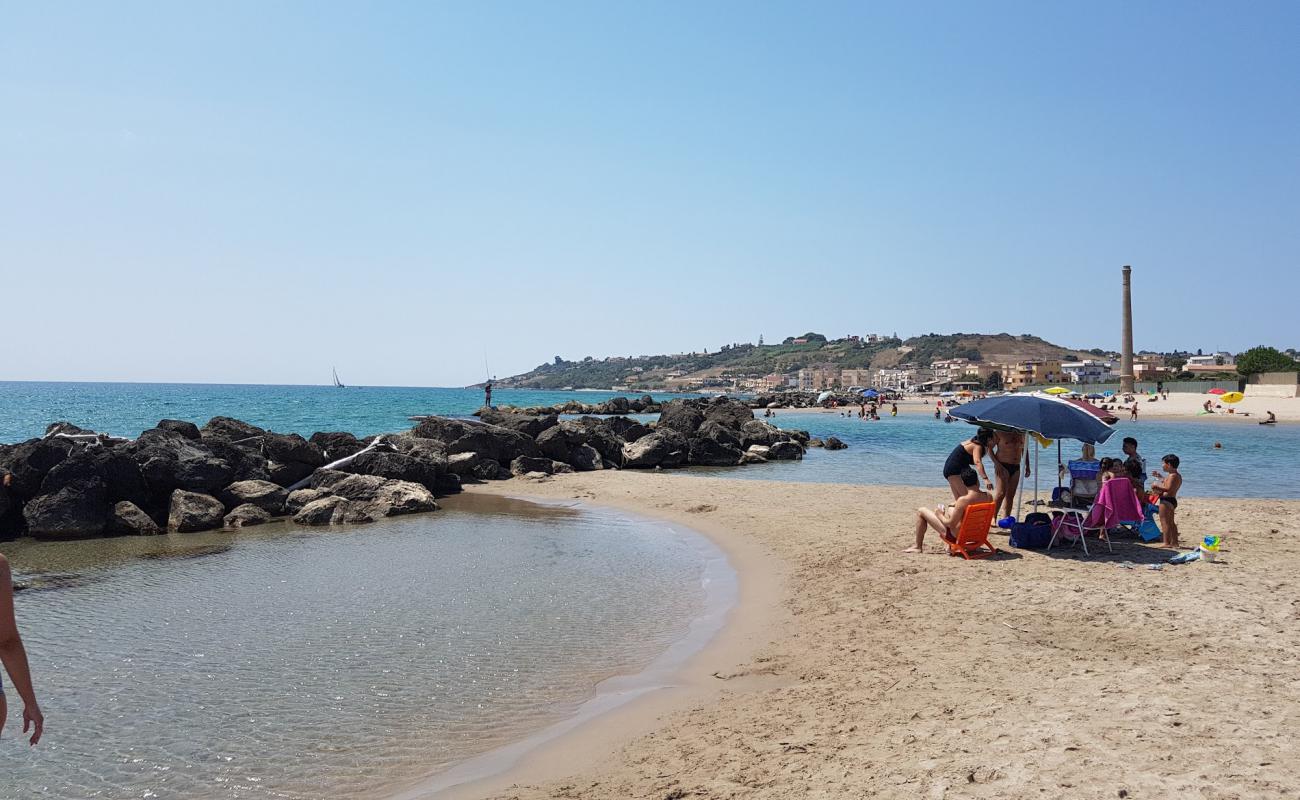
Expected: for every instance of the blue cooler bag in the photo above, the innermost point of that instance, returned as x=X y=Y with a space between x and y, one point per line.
x=1032 y=534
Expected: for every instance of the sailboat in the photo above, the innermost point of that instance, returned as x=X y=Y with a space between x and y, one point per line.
x=337 y=383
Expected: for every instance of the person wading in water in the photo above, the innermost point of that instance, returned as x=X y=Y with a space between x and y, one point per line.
x=14 y=656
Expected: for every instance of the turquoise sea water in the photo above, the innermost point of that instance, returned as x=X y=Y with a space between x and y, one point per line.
x=125 y=409
x=909 y=450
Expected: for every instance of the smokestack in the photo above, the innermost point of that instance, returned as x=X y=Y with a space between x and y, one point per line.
x=1126 y=352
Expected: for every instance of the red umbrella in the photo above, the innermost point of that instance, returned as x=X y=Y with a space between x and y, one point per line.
x=1104 y=416
x=1217 y=391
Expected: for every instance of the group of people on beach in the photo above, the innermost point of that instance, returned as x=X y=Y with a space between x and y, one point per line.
x=970 y=483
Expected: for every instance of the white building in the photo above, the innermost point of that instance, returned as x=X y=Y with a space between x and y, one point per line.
x=1089 y=371
x=1212 y=360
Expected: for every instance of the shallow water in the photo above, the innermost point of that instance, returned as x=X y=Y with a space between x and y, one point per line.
x=291 y=663
x=909 y=450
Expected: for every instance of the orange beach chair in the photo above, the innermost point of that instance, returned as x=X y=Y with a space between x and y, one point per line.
x=973 y=535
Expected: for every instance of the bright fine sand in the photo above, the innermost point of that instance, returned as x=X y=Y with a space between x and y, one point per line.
x=850 y=669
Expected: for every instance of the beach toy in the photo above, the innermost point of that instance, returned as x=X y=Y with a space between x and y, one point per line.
x=1006 y=522
x=1209 y=548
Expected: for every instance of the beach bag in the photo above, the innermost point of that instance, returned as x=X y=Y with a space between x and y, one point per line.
x=1034 y=533
x=1149 y=531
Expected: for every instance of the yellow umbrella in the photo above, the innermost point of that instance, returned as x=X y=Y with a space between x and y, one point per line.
x=1057 y=390
x=1232 y=397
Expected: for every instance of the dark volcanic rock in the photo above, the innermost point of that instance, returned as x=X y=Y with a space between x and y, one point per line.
x=336 y=445
x=269 y=497
x=833 y=443
x=815 y=442
x=585 y=458
x=629 y=430
x=228 y=429
x=785 y=451
x=502 y=445
x=288 y=473
x=284 y=448
x=524 y=423
x=730 y=414
x=194 y=511
x=245 y=516
x=187 y=429
x=128 y=520
x=29 y=461
x=169 y=461
x=680 y=416
x=399 y=466
x=448 y=483
x=715 y=446
x=77 y=510
x=489 y=470
x=756 y=431
x=378 y=497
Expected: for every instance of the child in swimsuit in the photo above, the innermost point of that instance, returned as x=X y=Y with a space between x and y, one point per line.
x=1167 y=486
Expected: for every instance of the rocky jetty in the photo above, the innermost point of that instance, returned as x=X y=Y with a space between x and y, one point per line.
x=615 y=406
x=74 y=483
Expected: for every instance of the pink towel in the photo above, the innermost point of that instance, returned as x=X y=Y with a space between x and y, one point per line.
x=1116 y=503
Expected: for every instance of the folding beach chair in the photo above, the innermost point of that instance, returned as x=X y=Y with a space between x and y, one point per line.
x=973 y=535
x=1116 y=505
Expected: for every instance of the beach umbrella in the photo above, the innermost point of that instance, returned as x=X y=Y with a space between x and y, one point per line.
x=946 y=394
x=1108 y=393
x=1046 y=416
x=821 y=398
x=1232 y=397
x=870 y=394
x=1094 y=396
x=1104 y=416
x=773 y=404
x=1057 y=390
x=1217 y=390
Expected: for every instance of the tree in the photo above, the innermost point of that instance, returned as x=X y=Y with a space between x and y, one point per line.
x=558 y=361
x=993 y=382
x=1265 y=359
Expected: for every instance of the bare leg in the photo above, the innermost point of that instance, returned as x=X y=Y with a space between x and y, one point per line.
x=1000 y=486
x=925 y=518
x=1013 y=483
x=958 y=488
x=1168 y=530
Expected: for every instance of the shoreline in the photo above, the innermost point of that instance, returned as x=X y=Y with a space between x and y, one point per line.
x=866 y=683
x=625 y=706
x=1180 y=407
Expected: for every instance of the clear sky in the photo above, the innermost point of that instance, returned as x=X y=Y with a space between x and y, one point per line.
x=253 y=192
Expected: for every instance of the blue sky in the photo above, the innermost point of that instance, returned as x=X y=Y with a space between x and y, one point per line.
x=253 y=192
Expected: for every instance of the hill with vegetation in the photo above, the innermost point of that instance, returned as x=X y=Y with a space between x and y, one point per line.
x=738 y=361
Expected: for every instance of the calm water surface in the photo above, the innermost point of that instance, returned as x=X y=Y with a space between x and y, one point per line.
x=293 y=663
x=909 y=450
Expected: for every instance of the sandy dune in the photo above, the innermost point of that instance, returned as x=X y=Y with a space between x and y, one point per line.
x=1033 y=675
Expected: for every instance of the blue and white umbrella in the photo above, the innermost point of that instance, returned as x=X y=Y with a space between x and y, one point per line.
x=1045 y=416
x=870 y=394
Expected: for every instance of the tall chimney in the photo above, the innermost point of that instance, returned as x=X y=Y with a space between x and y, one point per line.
x=1126 y=353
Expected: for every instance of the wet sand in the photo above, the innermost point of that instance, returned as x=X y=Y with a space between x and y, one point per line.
x=852 y=669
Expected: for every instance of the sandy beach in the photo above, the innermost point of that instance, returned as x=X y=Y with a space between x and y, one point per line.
x=1179 y=406
x=851 y=669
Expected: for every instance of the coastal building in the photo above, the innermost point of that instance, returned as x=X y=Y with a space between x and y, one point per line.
x=816 y=379
x=1149 y=366
x=777 y=381
x=1029 y=373
x=855 y=377
x=903 y=378
x=1215 y=362
x=1088 y=371
x=962 y=370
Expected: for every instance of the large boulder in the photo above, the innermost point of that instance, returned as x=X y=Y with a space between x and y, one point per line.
x=527 y=424
x=681 y=416
x=715 y=446
x=245 y=516
x=524 y=465
x=322 y=511
x=127 y=519
x=834 y=443
x=194 y=511
x=423 y=469
x=76 y=510
x=246 y=461
x=629 y=430
x=500 y=444
x=336 y=445
x=756 y=431
x=488 y=470
x=666 y=448
x=28 y=462
x=269 y=497
x=169 y=461
x=615 y=405
x=229 y=429
x=290 y=447
x=301 y=497
x=784 y=451
x=378 y=497
x=730 y=414
x=179 y=426
x=575 y=444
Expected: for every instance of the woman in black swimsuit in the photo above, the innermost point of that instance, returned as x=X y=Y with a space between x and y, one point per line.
x=968 y=454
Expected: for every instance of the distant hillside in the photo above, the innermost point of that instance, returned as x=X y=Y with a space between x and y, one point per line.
x=720 y=367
